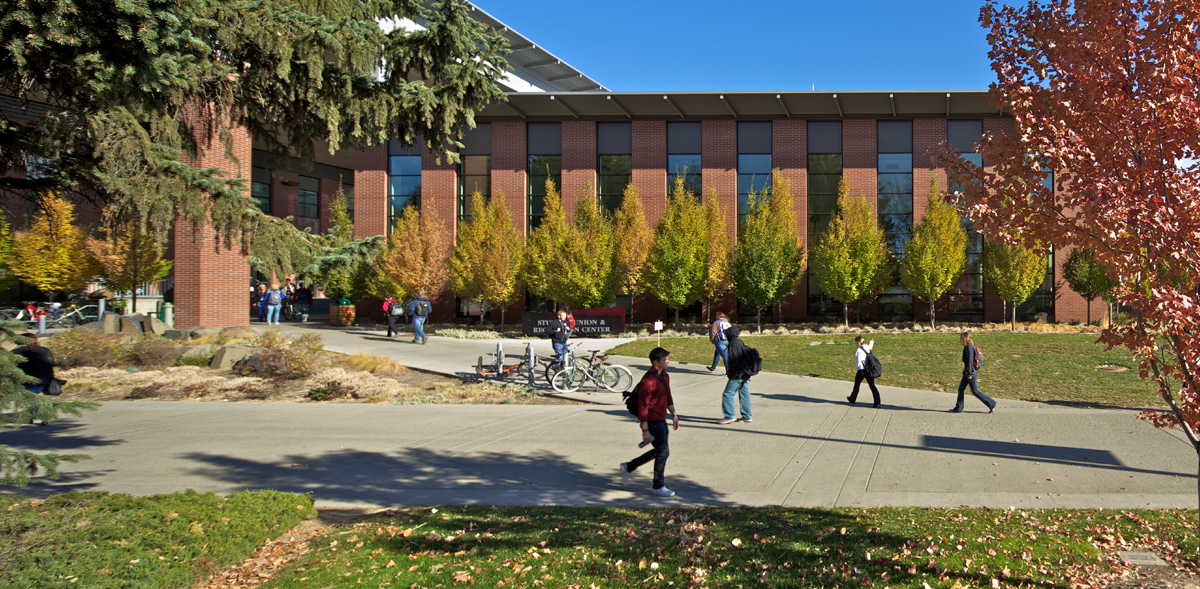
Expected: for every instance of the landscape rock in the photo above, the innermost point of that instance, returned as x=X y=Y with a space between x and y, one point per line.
x=132 y=324
x=213 y=332
x=228 y=355
x=153 y=325
x=1042 y=317
x=240 y=332
x=112 y=324
x=178 y=335
x=200 y=351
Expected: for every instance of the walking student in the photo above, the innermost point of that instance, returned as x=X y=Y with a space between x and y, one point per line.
x=394 y=312
x=274 y=299
x=716 y=335
x=260 y=299
x=860 y=366
x=739 y=371
x=36 y=362
x=559 y=331
x=303 y=298
x=654 y=403
x=419 y=308
x=969 y=377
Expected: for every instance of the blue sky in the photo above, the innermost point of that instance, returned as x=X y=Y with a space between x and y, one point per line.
x=653 y=45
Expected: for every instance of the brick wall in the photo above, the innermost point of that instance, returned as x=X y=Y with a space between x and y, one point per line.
x=719 y=153
x=509 y=181
x=993 y=305
x=329 y=188
x=859 y=162
x=370 y=192
x=578 y=163
x=212 y=283
x=650 y=177
x=789 y=154
x=439 y=204
x=927 y=135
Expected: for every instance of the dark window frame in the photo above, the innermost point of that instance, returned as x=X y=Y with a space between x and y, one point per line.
x=896 y=300
x=308 y=202
x=464 y=196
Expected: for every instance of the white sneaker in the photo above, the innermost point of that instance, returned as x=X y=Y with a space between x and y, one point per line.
x=662 y=492
x=624 y=474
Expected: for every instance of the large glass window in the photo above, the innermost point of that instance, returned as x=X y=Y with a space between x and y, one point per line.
x=966 y=297
x=260 y=189
x=754 y=163
x=894 y=190
x=404 y=179
x=309 y=198
x=474 y=175
x=1042 y=299
x=349 y=192
x=683 y=156
x=544 y=147
x=824 y=174
x=614 y=149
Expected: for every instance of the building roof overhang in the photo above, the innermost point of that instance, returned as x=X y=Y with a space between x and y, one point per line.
x=747 y=106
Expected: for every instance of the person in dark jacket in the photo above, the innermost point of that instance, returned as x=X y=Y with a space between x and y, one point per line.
x=36 y=362
x=394 y=311
x=969 y=376
x=654 y=404
x=559 y=331
x=737 y=369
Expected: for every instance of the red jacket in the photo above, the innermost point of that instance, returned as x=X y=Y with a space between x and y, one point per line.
x=654 y=396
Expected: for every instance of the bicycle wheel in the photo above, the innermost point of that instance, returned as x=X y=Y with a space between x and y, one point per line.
x=567 y=380
x=616 y=378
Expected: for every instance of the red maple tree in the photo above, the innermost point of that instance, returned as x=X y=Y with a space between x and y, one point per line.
x=1105 y=92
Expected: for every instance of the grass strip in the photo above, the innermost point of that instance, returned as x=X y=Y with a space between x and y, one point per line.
x=1043 y=367
x=94 y=539
x=747 y=547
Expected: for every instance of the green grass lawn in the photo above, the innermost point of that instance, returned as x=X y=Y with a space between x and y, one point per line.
x=93 y=539
x=1029 y=366
x=732 y=547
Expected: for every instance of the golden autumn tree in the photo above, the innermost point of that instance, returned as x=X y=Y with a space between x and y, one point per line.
x=634 y=241
x=936 y=255
x=417 y=257
x=127 y=257
x=718 y=265
x=7 y=278
x=489 y=257
x=50 y=255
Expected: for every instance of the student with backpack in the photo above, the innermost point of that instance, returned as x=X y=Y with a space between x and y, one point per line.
x=716 y=335
x=394 y=312
x=654 y=402
x=274 y=303
x=419 y=308
x=866 y=366
x=742 y=363
x=971 y=358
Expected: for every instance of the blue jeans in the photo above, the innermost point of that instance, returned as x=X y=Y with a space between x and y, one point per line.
x=721 y=353
x=36 y=389
x=740 y=388
x=560 y=353
x=971 y=379
x=418 y=325
x=262 y=312
x=273 y=311
x=659 y=452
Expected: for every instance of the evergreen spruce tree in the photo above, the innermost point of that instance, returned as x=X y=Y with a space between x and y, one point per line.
x=342 y=265
x=675 y=269
x=1013 y=271
x=718 y=274
x=851 y=258
x=936 y=255
x=633 y=243
x=769 y=259
x=18 y=466
x=138 y=87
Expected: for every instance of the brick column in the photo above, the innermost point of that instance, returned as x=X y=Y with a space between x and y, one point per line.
x=509 y=182
x=649 y=160
x=285 y=194
x=993 y=305
x=370 y=191
x=439 y=201
x=328 y=189
x=927 y=135
x=859 y=163
x=719 y=160
x=212 y=283
x=789 y=153
x=578 y=163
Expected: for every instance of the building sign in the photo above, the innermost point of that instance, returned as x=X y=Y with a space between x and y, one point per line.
x=588 y=322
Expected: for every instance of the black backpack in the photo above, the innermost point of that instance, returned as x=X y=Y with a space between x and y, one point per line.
x=395 y=309
x=753 y=362
x=631 y=401
x=872 y=366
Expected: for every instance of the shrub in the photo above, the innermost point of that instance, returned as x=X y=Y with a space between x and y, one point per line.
x=374 y=364
x=332 y=390
x=468 y=333
x=152 y=351
x=283 y=356
x=86 y=347
x=201 y=361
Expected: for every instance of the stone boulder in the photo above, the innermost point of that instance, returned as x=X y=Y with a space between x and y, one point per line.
x=200 y=351
x=112 y=324
x=241 y=332
x=133 y=324
x=153 y=325
x=206 y=332
x=227 y=356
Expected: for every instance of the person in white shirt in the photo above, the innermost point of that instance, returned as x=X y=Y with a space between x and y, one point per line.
x=860 y=364
x=716 y=335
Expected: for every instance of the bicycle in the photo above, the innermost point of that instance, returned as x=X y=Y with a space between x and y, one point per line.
x=76 y=316
x=497 y=367
x=613 y=377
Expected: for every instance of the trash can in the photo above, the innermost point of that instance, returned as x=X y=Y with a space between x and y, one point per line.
x=341 y=312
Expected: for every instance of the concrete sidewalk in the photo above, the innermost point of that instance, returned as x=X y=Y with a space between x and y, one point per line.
x=806 y=447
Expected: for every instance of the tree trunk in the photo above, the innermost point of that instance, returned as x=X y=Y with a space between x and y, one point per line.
x=676 y=319
x=1089 y=311
x=760 y=320
x=1003 y=309
x=502 y=310
x=857 y=311
x=846 y=314
x=707 y=312
x=931 y=326
x=1014 y=318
